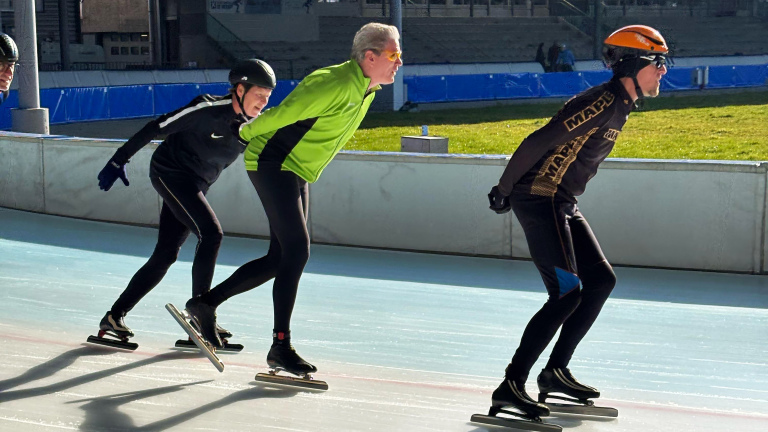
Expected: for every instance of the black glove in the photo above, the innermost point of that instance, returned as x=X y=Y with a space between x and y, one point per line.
x=110 y=173
x=499 y=203
x=234 y=126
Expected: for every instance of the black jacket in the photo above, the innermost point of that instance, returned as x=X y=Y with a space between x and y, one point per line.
x=562 y=156
x=199 y=142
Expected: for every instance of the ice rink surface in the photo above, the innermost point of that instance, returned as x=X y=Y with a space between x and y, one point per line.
x=406 y=342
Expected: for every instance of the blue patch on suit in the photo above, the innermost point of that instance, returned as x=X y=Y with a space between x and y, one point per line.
x=567 y=281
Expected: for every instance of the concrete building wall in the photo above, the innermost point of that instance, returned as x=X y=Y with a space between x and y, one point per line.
x=118 y=16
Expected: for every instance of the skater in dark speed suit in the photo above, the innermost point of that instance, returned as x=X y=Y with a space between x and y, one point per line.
x=288 y=147
x=9 y=55
x=540 y=183
x=199 y=145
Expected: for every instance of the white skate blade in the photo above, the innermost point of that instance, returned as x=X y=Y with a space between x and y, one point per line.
x=204 y=348
x=582 y=410
x=515 y=424
x=286 y=380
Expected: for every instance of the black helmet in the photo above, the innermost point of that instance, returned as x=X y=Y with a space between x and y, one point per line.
x=253 y=72
x=8 y=51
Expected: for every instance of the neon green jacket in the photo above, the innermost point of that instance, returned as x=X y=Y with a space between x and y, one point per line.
x=311 y=124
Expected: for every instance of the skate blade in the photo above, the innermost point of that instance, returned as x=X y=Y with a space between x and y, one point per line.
x=582 y=410
x=291 y=381
x=228 y=347
x=515 y=424
x=113 y=343
x=196 y=338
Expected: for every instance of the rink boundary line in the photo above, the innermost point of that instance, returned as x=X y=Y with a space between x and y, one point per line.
x=615 y=402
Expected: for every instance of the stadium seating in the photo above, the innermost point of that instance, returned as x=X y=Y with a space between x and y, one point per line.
x=497 y=40
x=706 y=36
x=426 y=40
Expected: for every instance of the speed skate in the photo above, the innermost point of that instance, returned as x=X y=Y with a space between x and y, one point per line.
x=190 y=344
x=301 y=380
x=521 y=413
x=223 y=334
x=205 y=347
x=282 y=357
x=577 y=395
x=114 y=327
x=514 y=421
x=584 y=407
x=113 y=340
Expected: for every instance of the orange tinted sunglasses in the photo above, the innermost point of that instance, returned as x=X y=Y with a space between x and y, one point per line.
x=393 y=55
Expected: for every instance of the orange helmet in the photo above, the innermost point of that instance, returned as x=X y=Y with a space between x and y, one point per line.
x=631 y=43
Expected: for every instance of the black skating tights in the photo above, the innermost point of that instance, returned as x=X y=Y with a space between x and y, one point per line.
x=575 y=272
x=285 y=197
x=184 y=210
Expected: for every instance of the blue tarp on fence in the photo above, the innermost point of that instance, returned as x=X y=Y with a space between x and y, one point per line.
x=459 y=88
x=738 y=76
x=78 y=104
x=149 y=100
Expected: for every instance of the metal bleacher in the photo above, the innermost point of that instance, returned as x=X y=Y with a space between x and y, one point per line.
x=463 y=40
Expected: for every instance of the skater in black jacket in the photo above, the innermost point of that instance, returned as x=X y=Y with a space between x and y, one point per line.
x=9 y=55
x=540 y=183
x=200 y=144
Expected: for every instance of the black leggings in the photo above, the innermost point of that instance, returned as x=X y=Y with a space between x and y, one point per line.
x=285 y=198
x=575 y=272
x=184 y=209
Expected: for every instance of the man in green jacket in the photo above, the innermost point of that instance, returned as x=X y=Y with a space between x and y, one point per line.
x=288 y=147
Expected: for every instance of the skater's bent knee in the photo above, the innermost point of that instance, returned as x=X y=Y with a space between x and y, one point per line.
x=297 y=250
x=164 y=257
x=567 y=303
x=599 y=277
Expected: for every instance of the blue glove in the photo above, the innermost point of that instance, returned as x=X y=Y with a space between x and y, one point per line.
x=499 y=203
x=110 y=173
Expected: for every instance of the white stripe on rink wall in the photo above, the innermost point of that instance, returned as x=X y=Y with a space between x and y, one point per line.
x=701 y=215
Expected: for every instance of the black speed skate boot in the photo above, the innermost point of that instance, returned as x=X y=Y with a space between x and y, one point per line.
x=525 y=412
x=560 y=380
x=203 y=316
x=113 y=325
x=510 y=393
x=283 y=357
x=224 y=335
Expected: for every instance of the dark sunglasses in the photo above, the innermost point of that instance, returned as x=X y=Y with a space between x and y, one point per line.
x=658 y=59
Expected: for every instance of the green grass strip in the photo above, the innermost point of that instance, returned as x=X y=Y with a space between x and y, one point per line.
x=714 y=126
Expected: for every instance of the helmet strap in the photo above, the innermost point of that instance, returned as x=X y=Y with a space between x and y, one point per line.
x=240 y=100
x=640 y=101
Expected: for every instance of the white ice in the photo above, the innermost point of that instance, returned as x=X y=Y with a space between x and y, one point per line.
x=406 y=342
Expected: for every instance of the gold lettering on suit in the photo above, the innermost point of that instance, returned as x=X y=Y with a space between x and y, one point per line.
x=588 y=113
x=552 y=171
x=611 y=135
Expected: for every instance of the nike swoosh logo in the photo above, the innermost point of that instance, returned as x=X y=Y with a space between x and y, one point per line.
x=213 y=135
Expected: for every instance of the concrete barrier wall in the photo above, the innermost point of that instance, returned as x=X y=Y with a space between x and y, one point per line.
x=673 y=214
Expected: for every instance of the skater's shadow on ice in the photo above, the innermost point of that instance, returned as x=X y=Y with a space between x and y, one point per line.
x=61 y=362
x=48 y=368
x=103 y=413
